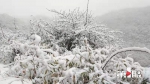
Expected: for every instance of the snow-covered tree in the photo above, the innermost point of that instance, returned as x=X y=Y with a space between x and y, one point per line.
x=68 y=30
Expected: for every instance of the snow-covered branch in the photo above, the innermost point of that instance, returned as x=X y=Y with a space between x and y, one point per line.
x=125 y=50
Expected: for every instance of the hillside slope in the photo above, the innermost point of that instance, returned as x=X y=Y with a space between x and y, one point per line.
x=135 y=24
x=10 y=23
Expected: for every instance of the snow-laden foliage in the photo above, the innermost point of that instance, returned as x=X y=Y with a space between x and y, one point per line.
x=69 y=29
x=7 y=52
x=68 y=50
x=79 y=66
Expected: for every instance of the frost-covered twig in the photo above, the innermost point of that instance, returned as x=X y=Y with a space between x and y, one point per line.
x=124 y=50
x=9 y=64
x=86 y=20
x=19 y=79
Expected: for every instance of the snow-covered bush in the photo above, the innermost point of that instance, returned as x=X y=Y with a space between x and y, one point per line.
x=69 y=29
x=79 y=66
x=68 y=50
x=7 y=52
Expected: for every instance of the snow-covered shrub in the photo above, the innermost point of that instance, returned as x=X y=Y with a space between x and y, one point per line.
x=7 y=51
x=70 y=28
x=79 y=66
x=69 y=50
x=73 y=29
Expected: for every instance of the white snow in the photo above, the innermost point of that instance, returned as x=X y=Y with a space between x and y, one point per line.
x=124 y=50
x=146 y=73
x=36 y=39
x=8 y=79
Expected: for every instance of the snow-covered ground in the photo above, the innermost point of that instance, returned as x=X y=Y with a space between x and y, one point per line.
x=10 y=80
x=146 y=73
x=15 y=80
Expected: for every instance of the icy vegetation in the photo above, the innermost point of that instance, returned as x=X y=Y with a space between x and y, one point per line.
x=68 y=50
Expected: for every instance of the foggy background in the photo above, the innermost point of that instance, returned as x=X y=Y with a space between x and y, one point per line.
x=38 y=7
x=132 y=17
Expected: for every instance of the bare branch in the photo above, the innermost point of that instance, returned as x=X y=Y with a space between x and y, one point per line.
x=86 y=21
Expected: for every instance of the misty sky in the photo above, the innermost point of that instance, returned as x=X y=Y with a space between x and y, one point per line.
x=38 y=7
